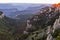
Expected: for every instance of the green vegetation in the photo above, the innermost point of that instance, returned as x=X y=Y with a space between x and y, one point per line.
x=12 y=29
x=56 y=34
x=6 y=30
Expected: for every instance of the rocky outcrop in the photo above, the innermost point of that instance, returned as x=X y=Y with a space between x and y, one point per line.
x=56 y=24
x=1 y=14
x=49 y=20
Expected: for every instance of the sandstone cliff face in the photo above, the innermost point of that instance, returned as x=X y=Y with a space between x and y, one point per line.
x=57 y=24
x=45 y=22
x=46 y=18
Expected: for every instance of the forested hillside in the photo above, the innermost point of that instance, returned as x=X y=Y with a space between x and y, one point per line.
x=44 y=25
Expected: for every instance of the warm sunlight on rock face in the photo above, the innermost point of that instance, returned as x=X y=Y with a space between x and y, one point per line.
x=56 y=5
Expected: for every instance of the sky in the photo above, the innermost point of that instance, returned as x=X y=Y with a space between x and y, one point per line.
x=30 y=1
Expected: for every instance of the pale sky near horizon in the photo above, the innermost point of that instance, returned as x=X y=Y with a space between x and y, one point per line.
x=30 y=1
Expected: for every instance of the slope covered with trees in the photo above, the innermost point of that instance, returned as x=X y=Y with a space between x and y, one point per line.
x=43 y=26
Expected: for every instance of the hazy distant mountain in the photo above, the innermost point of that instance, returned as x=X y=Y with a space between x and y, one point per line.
x=32 y=9
x=7 y=12
x=20 y=6
x=11 y=10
